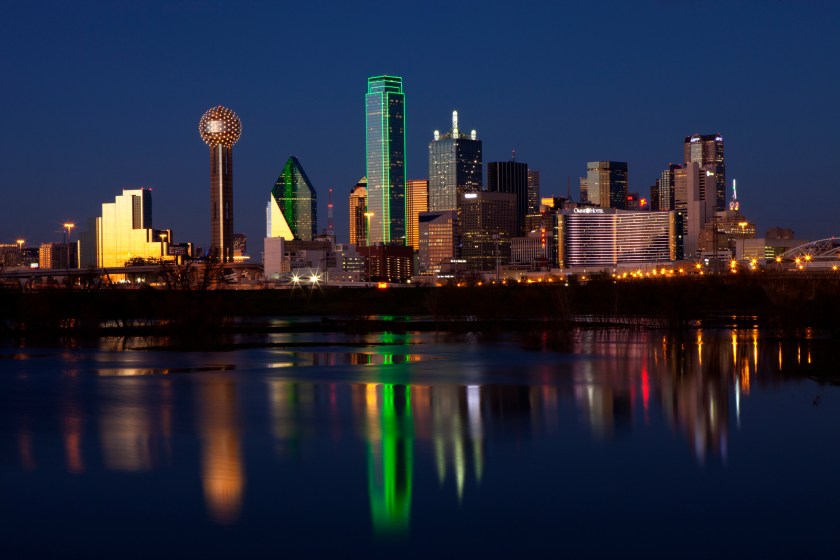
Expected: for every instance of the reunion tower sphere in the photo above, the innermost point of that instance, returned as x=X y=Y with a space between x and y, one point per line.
x=218 y=126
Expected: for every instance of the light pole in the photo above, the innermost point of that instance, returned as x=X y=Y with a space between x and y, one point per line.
x=368 y=216
x=20 y=243
x=743 y=226
x=67 y=227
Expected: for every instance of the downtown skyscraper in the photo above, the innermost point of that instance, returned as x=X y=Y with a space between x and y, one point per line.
x=385 y=160
x=607 y=183
x=292 y=211
x=706 y=150
x=511 y=177
x=455 y=167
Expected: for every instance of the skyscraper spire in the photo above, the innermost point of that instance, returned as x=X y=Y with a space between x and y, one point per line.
x=733 y=204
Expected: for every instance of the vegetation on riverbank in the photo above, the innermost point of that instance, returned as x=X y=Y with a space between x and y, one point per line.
x=781 y=303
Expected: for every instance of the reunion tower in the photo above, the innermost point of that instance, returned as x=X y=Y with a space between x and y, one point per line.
x=220 y=128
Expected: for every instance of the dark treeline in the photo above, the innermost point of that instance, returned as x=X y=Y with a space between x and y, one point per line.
x=776 y=302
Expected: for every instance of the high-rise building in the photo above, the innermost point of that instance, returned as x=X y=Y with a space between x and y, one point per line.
x=416 y=201
x=358 y=207
x=584 y=189
x=292 y=211
x=455 y=167
x=437 y=240
x=706 y=150
x=488 y=221
x=689 y=203
x=511 y=177
x=385 y=159
x=533 y=191
x=607 y=183
x=220 y=129
x=654 y=197
x=124 y=232
x=666 y=187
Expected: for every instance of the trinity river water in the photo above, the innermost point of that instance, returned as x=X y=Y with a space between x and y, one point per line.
x=631 y=444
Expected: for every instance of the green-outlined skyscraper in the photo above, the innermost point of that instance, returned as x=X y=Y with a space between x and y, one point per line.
x=385 y=159
x=292 y=206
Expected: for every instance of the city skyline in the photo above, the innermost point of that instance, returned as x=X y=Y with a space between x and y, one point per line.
x=546 y=131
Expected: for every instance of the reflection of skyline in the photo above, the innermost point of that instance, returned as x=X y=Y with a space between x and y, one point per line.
x=699 y=385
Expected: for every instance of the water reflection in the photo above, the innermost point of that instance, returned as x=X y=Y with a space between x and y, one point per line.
x=390 y=435
x=438 y=420
x=222 y=471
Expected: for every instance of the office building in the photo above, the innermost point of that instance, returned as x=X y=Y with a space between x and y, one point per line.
x=58 y=255
x=385 y=159
x=607 y=183
x=598 y=237
x=706 y=150
x=220 y=129
x=10 y=255
x=487 y=223
x=387 y=263
x=292 y=211
x=416 y=202
x=654 y=197
x=695 y=209
x=511 y=177
x=666 y=187
x=455 y=166
x=358 y=207
x=535 y=251
x=437 y=236
x=123 y=233
x=533 y=192
x=584 y=189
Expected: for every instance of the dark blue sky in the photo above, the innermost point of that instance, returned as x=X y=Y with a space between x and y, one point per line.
x=101 y=96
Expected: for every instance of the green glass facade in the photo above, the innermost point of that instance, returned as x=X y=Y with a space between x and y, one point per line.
x=385 y=159
x=292 y=209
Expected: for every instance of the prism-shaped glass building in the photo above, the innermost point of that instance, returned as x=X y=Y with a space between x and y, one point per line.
x=292 y=207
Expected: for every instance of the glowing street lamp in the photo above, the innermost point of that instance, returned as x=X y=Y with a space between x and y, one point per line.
x=67 y=227
x=368 y=216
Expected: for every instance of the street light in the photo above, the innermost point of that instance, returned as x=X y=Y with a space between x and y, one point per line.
x=368 y=215
x=67 y=227
x=743 y=226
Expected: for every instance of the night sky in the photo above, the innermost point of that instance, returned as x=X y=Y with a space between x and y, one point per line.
x=102 y=96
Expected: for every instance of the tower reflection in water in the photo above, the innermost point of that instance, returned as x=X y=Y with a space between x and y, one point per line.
x=390 y=456
x=222 y=472
x=400 y=417
x=699 y=385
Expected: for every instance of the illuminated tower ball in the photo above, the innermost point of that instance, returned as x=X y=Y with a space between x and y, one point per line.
x=220 y=128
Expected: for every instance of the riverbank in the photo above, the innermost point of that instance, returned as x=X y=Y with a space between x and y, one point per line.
x=769 y=302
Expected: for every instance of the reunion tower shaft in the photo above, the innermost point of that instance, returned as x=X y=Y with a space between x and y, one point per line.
x=220 y=128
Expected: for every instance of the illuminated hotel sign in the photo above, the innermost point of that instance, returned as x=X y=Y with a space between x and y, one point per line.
x=470 y=195
x=588 y=210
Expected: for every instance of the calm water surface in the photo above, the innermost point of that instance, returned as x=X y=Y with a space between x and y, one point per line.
x=633 y=444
